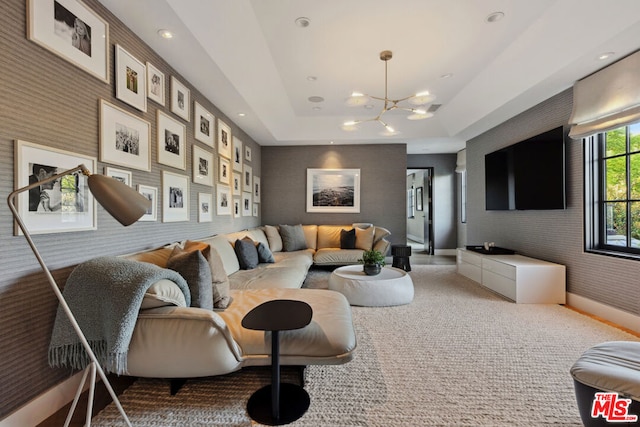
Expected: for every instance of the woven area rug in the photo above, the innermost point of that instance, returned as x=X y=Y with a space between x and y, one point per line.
x=458 y=355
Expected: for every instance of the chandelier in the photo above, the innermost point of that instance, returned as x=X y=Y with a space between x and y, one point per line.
x=360 y=99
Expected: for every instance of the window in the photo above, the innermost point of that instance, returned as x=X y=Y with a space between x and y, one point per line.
x=612 y=190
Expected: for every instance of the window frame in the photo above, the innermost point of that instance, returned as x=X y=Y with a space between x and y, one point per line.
x=595 y=190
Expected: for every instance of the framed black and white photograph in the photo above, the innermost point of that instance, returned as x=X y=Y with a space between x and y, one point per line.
x=224 y=171
x=203 y=124
x=151 y=193
x=72 y=31
x=180 y=99
x=236 y=183
x=255 y=209
x=237 y=212
x=256 y=189
x=124 y=138
x=171 y=142
x=223 y=200
x=131 y=79
x=247 y=181
x=333 y=190
x=155 y=84
x=205 y=207
x=175 y=197
x=237 y=154
x=419 y=199
x=202 y=166
x=247 y=153
x=118 y=174
x=65 y=204
x=224 y=139
x=247 y=209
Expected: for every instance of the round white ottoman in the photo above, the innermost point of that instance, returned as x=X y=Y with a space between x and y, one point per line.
x=392 y=286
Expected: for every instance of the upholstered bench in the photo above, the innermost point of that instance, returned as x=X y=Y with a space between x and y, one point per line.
x=608 y=367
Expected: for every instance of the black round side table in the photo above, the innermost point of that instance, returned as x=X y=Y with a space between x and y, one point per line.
x=264 y=405
x=401 y=254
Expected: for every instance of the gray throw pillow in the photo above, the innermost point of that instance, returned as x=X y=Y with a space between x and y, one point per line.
x=293 y=238
x=264 y=254
x=219 y=279
x=247 y=253
x=194 y=268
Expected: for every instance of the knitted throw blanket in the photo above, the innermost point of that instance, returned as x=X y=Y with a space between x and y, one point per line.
x=104 y=295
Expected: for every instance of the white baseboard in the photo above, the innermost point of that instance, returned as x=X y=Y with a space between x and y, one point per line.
x=619 y=317
x=45 y=405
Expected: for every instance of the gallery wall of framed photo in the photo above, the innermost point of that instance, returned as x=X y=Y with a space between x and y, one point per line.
x=79 y=86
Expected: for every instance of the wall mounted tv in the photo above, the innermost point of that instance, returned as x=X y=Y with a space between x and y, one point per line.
x=527 y=175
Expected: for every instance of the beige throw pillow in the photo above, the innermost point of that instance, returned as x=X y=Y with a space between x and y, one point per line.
x=364 y=238
x=273 y=237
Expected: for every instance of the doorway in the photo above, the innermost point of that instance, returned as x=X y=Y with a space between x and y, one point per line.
x=420 y=209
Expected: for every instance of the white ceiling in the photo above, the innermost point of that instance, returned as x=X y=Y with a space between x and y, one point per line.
x=249 y=56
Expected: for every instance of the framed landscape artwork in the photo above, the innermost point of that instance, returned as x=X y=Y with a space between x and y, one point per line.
x=171 y=142
x=203 y=128
x=124 y=138
x=333 y=190
x=65 y=204
x=175 y=197
x=180 y=99
x=151 y=193
x=155 y=84
x=131 y=79
x=72 y=31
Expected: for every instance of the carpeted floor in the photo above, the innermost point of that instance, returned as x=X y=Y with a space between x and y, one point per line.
x=458 y=355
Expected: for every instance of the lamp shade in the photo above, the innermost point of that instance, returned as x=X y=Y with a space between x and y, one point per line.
x=121 y=201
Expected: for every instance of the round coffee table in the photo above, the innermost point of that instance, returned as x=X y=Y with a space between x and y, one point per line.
x=392 y=286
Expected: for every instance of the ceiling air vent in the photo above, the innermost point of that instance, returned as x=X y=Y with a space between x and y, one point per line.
x=434 y=107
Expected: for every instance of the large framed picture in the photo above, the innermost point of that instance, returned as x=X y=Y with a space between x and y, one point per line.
x=172 y=145
x=224 y=139
x=203 y=124
x=124 y=138
x=131 y=79
x=205 y=207
x=155 y=84
x=180 y=99
x=223 y=200
x=175 y=197
x=65 y=204
x=237 y=154
x=202 y=166
x=151 y=193
x=333 y=190
x=72 y=31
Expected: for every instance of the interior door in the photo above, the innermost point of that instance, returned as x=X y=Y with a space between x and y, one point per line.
x=428 y=211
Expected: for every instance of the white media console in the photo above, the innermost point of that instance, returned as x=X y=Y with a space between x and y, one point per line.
x=516 y=277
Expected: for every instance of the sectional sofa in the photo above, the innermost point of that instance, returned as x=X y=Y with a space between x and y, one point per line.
x=173 y=340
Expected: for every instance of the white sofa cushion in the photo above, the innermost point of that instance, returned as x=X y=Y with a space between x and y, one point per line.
x=337 y=256
x=162 y=293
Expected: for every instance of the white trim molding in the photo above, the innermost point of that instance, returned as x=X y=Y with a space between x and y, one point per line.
x=611 y=314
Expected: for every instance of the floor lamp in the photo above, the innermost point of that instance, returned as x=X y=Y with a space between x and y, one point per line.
x=126 y=205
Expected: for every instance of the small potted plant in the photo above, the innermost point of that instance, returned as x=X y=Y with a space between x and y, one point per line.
x=372 y=261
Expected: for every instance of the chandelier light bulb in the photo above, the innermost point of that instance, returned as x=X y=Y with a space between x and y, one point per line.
x=350 y=123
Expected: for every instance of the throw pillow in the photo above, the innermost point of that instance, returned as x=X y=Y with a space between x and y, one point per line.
x=264 y=254
x=348 y=239
x=247 y=254
x=364 y=238
x=219 y=279
x=194 y=268
x=381 y=233
x=293 y=238
x=273 y=237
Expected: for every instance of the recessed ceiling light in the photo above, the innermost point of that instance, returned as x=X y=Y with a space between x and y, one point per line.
x=165 y=34
x=315 y=99
x=303 y=22
x=446 y=76
x=312 y=78
x=316 y=108
x=241 y=114
x=494 y=17
x=605 y=55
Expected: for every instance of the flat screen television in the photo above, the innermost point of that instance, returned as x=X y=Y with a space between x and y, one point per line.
x=528 y=175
